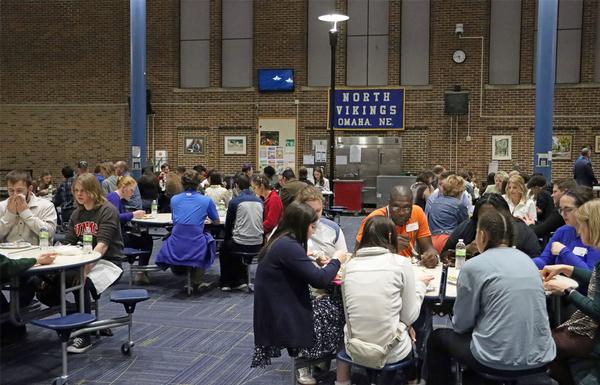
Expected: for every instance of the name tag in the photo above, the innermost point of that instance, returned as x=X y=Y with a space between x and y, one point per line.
x=581 y=251
x=412 y=226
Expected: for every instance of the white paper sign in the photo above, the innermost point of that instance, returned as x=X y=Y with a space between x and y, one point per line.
x=308 y=159
x=493 y=167
x=355 y=154
x=341 y=160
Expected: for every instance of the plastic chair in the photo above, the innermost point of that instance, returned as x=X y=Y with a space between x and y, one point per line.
x=374 y=374
x=63 y=326
x=129 y=298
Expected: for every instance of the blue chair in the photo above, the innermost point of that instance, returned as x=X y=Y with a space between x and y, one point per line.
x=129 y=298
x=63 y=326
x=503 y=377
x=374 y=374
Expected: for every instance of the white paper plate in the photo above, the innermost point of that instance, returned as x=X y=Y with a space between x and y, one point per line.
x=14 y=245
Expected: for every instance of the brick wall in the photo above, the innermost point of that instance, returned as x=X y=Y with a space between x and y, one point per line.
x=64 y=82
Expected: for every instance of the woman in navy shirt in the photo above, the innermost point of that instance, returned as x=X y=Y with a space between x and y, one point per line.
x=283 y=316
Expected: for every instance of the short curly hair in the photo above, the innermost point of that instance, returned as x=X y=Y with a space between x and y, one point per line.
x=454 y=186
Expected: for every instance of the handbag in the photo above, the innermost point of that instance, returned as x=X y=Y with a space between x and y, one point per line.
x=365 y=353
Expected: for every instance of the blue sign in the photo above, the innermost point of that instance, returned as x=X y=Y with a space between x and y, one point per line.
x=369 y=109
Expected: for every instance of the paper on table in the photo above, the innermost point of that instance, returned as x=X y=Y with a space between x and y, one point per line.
x=308 y=159
x=341 y=160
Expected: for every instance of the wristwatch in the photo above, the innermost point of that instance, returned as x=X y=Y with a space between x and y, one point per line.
x=567 y=291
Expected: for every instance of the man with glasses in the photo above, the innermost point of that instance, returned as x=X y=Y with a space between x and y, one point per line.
x=411 y=226
x=23 y=214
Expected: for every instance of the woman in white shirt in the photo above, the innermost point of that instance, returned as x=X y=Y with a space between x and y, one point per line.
x=516 y=196
x=321 y=182
x=216 y=191
x=381 y=293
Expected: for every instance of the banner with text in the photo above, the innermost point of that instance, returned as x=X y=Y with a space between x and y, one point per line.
x=369 y=109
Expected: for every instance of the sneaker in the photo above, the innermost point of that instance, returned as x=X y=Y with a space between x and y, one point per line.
x=304 y=377
x=225 y=288
x=243 y=286
x=141 y=278
x=80 y=345
x=198 y=287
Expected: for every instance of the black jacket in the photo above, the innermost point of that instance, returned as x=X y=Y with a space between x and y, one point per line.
x=282 y=307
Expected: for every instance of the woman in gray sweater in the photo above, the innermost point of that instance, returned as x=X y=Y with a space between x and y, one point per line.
x=500 y=320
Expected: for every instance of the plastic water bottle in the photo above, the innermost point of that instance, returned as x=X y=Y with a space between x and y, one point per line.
x=44 y=238
x=50 y=191
x=88 y=240
x=460 y=254
x=154 y=208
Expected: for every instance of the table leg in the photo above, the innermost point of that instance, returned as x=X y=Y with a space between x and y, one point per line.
x=556 y=306
x=63 y=300
x=81 y=289
x=14 y=305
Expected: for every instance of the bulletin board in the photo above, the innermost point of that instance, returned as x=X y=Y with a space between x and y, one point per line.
x=277 y=142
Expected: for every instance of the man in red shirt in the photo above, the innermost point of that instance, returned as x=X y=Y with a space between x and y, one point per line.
x=411 y=226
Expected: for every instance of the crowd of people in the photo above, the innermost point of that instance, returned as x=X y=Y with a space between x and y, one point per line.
x=519 y=235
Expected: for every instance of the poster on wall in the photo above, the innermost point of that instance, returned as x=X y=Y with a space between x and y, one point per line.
x=501 y=147
x=194 y=146
x=269 y=138
x=277 y=143
x=562 y=147
x=319 y=147
x=235 y=145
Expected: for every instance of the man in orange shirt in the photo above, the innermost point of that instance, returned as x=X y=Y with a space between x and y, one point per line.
x=411 y=225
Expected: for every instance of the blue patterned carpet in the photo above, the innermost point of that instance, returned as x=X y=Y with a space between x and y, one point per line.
x=203 y=339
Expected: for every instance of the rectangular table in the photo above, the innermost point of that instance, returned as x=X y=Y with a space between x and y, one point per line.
x=436 y=282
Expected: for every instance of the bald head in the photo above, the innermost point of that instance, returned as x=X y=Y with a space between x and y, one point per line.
x=400 y=205
x=399 y=192
x=121 y=167
x=586 y=152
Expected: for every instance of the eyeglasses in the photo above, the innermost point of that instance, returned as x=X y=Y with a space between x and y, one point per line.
x=566 y=210
x=401 y=209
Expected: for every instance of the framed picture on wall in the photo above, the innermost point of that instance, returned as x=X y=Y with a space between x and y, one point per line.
x=501 y=147
x=235 y=145
x=597 y=144
x=194 y=145
x=561 y=147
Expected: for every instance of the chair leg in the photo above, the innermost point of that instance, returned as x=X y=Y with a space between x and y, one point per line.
x=130 y=275
x=189 y=281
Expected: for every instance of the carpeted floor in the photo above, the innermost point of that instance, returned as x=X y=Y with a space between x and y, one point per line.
x=203 y=339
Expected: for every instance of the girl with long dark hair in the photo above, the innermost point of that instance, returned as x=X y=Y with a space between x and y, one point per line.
x=283 y=316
